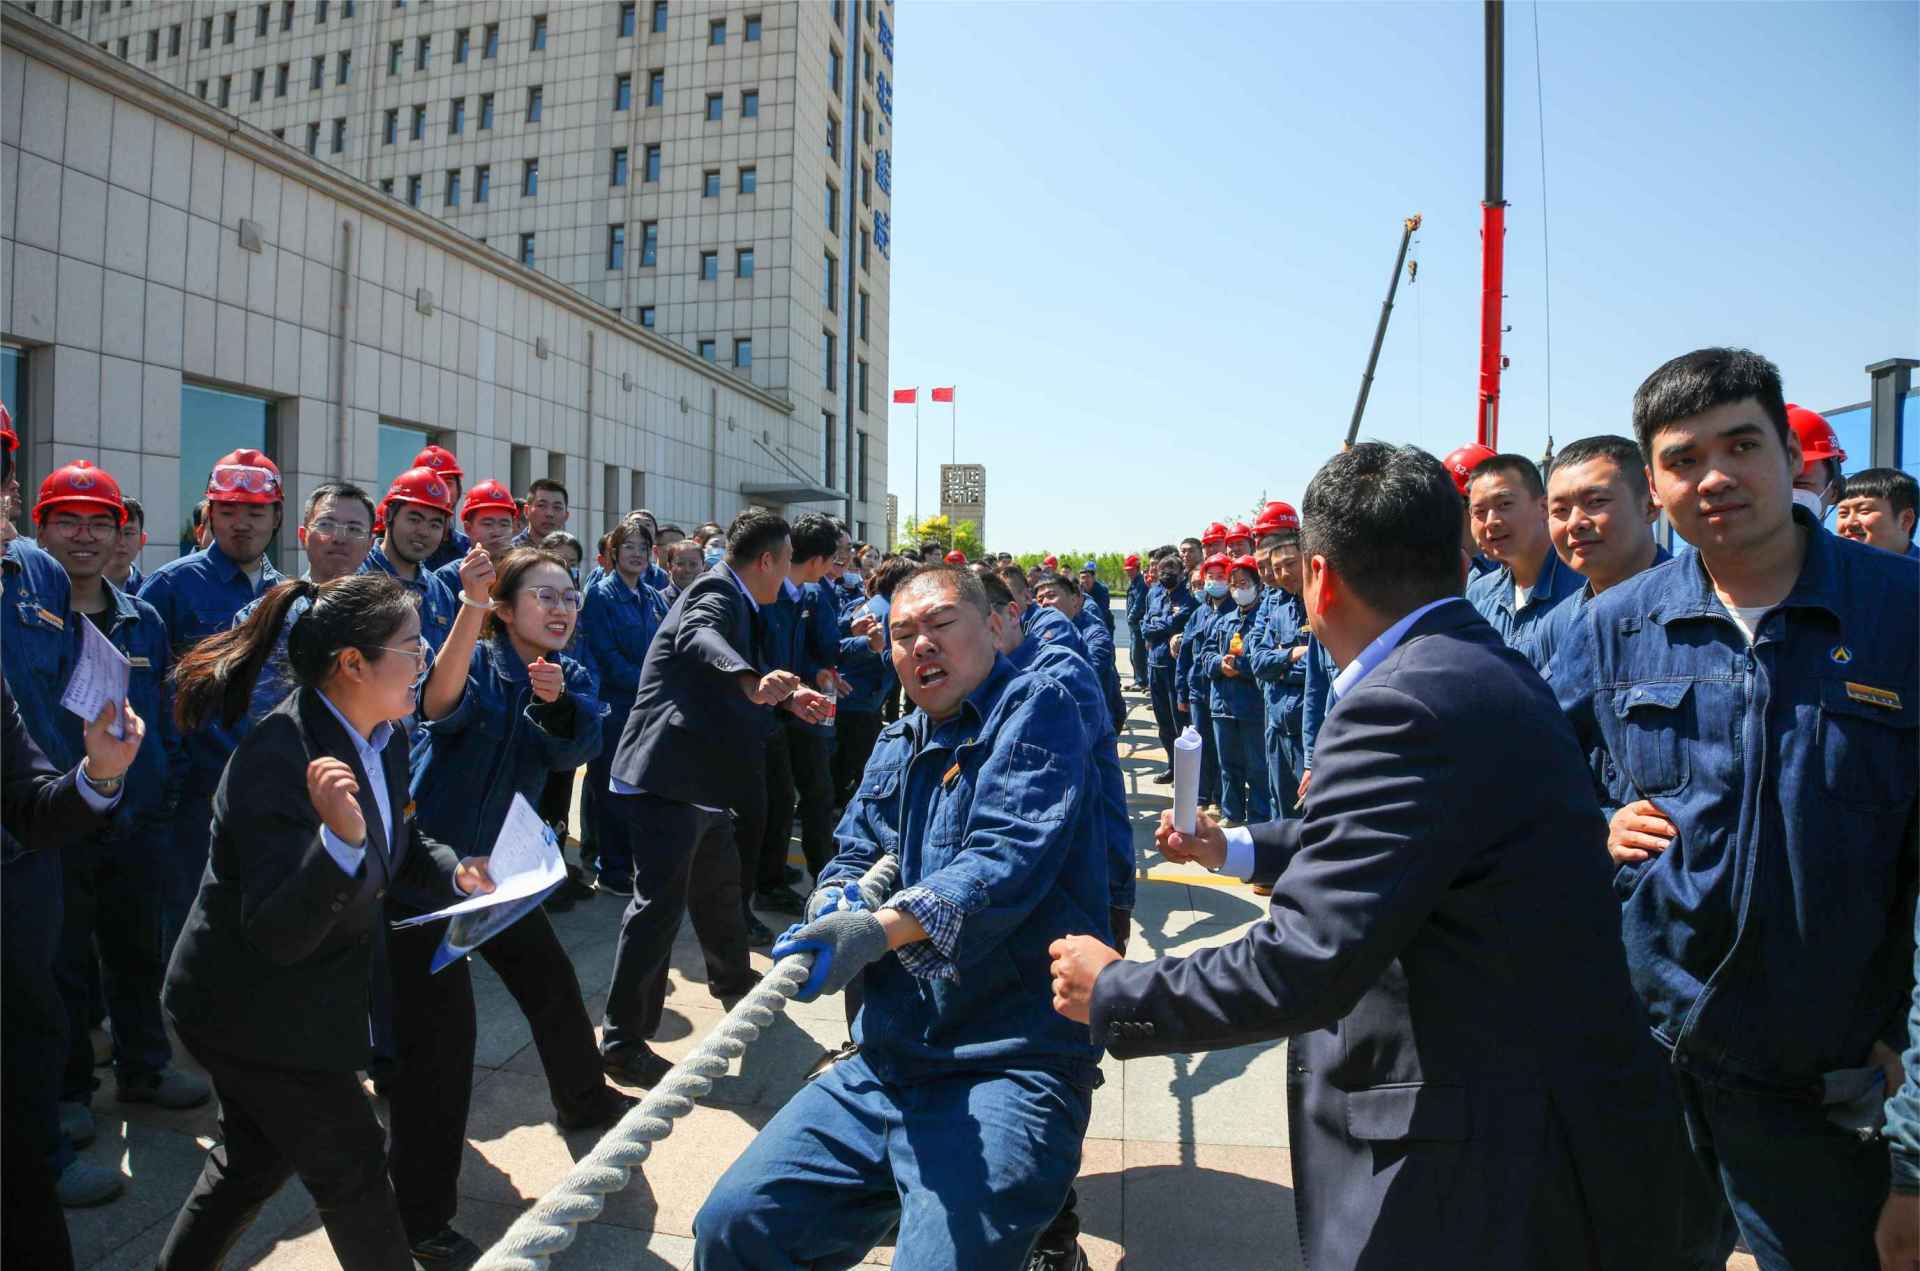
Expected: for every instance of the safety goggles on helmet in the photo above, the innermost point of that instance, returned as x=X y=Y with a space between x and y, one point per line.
x=242 y=478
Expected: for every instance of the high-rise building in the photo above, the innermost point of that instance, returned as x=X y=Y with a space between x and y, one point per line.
x=719 y=173
x=963 y=496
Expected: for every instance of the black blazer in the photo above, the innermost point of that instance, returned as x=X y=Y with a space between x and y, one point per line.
x=692 y=735
x=42 y=809
x=1469 y=1068
x=278 y=960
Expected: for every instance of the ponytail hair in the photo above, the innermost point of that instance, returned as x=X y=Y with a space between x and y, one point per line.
x=214 y=680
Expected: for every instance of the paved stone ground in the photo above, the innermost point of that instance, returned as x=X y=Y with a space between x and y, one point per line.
x=1183 y=1154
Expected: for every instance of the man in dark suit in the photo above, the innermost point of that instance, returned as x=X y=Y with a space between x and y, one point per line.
x=692 y=749
x=1471 y=1083
x=43 y=810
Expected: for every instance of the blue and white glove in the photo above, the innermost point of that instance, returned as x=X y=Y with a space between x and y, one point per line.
x=842 y=944
x=834 y=898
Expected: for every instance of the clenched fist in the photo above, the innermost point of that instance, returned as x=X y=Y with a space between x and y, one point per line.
x=332 y=787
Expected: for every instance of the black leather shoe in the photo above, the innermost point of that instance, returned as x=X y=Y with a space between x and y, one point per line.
x=636 y=1066
x=782 y=900
x=758 y=933
x=610 y=1107
x=1067 y=1259
x=446 y=1250
x=1163 y=778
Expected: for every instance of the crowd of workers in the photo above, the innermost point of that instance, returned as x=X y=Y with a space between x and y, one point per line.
x=303 y=761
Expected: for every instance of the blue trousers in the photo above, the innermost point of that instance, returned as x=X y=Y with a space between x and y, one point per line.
x=1283 y=767
x=1166 y=720
x=1137 y=647
x=1202 y=720
x=112 y=914
x=972 y=1166
x=1802 y=1191
x=180 y=880
x=1243 y=768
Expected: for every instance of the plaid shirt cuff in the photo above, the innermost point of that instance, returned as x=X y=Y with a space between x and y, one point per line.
x=932 y=958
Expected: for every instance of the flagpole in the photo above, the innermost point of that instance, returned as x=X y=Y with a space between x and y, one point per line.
x=916 y=458
x=953 y=426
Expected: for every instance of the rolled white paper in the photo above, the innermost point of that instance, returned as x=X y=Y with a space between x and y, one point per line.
x=1186 y=779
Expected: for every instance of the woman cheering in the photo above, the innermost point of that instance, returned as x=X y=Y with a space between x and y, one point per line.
x=280 y=962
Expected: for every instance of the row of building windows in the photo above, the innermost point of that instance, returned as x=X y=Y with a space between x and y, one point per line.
x=229 y=23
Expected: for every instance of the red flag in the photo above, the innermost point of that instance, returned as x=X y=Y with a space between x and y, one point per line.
x=943 y=394
x=902 y=396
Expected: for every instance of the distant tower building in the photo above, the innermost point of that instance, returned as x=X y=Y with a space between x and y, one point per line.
x=963 y=495
x=893 y=520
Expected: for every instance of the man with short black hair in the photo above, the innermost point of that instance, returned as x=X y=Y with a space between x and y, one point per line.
x=1058 y=593
x=545 y=511
x=1750 y=706
x=960 y=1115
x=1877 y=507
x=691 y=751
x=1507 y=505
x=1600 y=515
x=123 y=571
x=417 y=513
x=1472 y=1083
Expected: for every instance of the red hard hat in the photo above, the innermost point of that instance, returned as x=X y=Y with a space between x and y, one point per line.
x=1461 y=463
x=956 y=557
x=420 y=485
x=7 y=435
x=1051 y=562
x=1132 y=561
x=244 y=476
x=487 y=496
x=1817 y=439
x=1247 y=563
x=441 y=460
x=1215 y=533
x=80 y=484
x=1275 y=518
x=1219 y=560
x=1239 y=530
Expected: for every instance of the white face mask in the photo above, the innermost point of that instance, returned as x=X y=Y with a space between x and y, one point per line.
x=1244 y=596
x=1812 y=503
x=1216 y=588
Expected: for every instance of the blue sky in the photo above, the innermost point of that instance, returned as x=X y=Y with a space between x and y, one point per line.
x=1148 y=242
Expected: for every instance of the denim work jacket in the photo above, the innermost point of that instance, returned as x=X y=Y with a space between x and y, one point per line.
x=37 y=642
x=1136 y=600
x=1281 y=628
x=1772 y=941
x=1492 y=595
x=438 y=604
x=197 y=595
x=1106 y=787
x=1231 y=696
x=986 y=810
x=1168 y=613
x=136 y=630
x=498 y=742
x=619 y=622
x=870 y=673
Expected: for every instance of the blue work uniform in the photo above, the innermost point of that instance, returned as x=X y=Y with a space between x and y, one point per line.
x=1318 y=699
x=438 y=605
x=1106 y=786
x=197 y=595
x=969 y=1096
x=37 y=642
x=113 y=878
x=1280 y=629
x=867 y=671
x=453 y=548
x=1101 y=601
x=1237 y=711
x=1099 y=642
x=1136 y=615
x=1547 y=634
x=1191 y=690
x=1046 y=625
x=1770 y=940
x=618 y=623
x=1492 y=595
x=1167 y=615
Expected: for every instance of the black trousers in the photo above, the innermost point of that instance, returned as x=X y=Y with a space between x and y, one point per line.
x=854 y=735
x=763 y=856
x=33 y=1232
x=810 y=754
x=112 y=910
x=556 y=798
x=429 y=1091
x=276 y=1123
x=684 y=861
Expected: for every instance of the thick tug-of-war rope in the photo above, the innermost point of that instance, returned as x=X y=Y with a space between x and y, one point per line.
x=547 y=1228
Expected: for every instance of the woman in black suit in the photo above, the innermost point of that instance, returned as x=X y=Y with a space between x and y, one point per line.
x=276 y=979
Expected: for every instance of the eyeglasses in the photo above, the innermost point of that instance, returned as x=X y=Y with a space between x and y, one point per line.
x=346 y=532
x=251 y=478
x=420 y=651
x=558 y=598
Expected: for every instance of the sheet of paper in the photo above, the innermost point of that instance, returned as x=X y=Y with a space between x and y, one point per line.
x=100 y=676
x=1186 y=779
x=525 y=862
